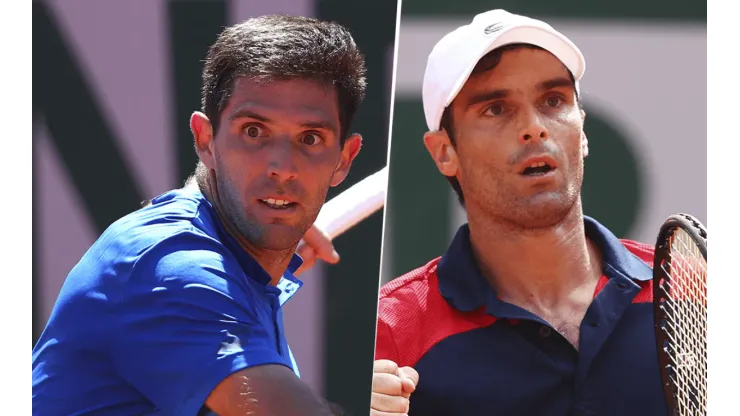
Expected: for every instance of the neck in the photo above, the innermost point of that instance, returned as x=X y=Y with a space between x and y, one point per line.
x=274 y=262
x=544 y=269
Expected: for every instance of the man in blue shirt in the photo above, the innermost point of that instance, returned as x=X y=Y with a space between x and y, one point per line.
x=176 y=308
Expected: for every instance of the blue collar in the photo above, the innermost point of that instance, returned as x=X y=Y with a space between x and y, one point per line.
x=289 y=284
x=461 y=283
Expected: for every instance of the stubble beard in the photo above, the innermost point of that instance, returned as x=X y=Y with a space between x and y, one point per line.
x=542 y=210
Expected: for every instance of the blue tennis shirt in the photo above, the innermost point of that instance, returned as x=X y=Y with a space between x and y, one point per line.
x=162 y=308
x=479 y=355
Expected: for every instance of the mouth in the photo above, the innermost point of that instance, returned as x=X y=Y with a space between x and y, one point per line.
x=537 y=169
x=540 y=166
x=277 y=203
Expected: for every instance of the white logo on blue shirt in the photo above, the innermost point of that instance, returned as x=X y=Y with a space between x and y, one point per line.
x=231 y=345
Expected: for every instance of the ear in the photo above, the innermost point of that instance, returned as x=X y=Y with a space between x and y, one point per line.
x=442 y=152
x=351 y=148
x=584 y=139
x=202 y=131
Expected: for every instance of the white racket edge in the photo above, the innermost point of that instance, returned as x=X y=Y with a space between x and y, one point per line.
x=354 y=204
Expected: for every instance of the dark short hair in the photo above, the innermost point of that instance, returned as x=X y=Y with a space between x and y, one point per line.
x=486 y=63
x=280 y=47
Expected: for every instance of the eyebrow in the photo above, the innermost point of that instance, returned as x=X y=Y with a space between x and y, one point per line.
x=555 y=83
x=503 y=93
x=312 y=124
x=243 y=112
x=488 y=96
x=319 y=124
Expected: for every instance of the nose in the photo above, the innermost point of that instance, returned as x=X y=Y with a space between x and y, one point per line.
x=281 y=163
x=533 y=128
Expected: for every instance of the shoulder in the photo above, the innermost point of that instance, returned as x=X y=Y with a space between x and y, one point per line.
x=410 y=291
x=187 y=256
x=413 y=316
x=168 y=214
x=401 y=307
x=185 y=275
x=175 y=236
x=404 y=308
x=176 y=220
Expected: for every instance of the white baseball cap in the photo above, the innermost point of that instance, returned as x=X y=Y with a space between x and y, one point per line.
x=455 y=56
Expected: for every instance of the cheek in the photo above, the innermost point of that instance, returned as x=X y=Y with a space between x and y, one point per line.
x=319 y=162
x=492 y=139
x=575 y=147
x=567 y=131
x=237 y=166
x=485 y=144
x=317 y=173
x=236 y=170
x=482 y=162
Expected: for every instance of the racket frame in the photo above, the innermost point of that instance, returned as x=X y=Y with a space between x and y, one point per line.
x=696 y=230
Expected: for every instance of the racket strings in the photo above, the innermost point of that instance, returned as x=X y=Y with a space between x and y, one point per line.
x=686 y=322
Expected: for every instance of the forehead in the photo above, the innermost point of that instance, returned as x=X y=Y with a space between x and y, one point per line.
x=284 y=100
x=518 y=70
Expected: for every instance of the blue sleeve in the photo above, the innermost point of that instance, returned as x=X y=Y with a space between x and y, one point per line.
x=187 y=320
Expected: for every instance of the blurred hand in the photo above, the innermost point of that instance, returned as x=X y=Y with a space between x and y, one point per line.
x=392 y=387
x=316 y=245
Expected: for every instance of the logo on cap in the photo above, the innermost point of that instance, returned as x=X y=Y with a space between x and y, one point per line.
x=493 y=28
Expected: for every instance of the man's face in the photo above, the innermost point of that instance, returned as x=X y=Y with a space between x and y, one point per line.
x=275 y=155
x=519 y=140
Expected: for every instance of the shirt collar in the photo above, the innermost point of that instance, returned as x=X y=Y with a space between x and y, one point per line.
x=289 y=283
x=461 y=283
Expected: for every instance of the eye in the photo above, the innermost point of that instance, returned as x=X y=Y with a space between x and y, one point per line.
x=253 y=131
x=495 y=109
x=311 y=139
x=554 y=101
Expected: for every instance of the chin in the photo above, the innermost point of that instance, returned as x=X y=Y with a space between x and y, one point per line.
x=274 y=237
x=537 y=219
x=278 y=244
x=543 y=212
x=281 y=237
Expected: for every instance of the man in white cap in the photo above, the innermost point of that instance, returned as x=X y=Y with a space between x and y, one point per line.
x=534 y=309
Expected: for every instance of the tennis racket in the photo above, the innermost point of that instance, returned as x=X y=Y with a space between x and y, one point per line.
x=353 y=205
x=680 y=306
